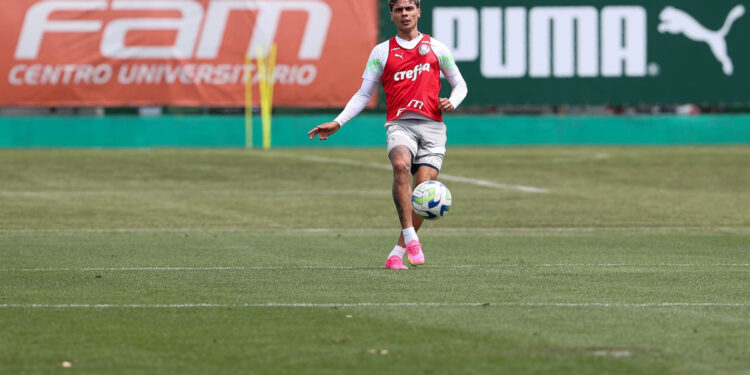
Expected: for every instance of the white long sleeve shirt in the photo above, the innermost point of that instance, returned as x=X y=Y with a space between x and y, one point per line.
x=374 y=71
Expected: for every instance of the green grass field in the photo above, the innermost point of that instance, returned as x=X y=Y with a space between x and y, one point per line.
x=616 y=261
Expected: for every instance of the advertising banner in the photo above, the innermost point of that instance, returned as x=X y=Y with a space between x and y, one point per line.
x=522 y=52
x=181 y=52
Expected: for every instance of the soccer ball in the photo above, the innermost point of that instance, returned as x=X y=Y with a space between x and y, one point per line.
x=431 y=200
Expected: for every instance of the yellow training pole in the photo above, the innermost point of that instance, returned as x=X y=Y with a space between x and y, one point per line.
x=270 y=82
x=248 y=102
x=266 y=66
x=262 y=89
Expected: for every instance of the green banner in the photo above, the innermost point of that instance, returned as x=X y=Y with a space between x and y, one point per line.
x=367 y=130
x=625 y=52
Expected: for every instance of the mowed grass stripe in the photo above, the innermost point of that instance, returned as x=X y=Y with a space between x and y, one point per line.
x=355 y=268
x=54 y=193
x=371 y=304
x=383 y=230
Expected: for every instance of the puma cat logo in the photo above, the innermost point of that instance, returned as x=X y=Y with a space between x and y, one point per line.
x=676 y=21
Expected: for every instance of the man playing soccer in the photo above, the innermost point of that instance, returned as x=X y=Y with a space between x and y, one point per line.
x=409 y=67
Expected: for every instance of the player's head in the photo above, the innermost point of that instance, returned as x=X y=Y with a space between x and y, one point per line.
x=392 y=2
x=405 y=15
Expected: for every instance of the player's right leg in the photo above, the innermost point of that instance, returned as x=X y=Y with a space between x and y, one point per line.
x=402 y=147
x=401 y=162
x=401 y=158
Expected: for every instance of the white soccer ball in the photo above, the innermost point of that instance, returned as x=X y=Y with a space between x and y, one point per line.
x=431 y=200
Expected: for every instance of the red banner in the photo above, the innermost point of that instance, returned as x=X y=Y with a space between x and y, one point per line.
x=181 y=52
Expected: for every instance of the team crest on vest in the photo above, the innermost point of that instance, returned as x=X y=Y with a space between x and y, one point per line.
x=424 y=49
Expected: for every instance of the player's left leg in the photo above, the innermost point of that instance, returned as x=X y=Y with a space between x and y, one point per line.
x=423 y=173
x=428 y=160
x=414 y=247
x=425 y=142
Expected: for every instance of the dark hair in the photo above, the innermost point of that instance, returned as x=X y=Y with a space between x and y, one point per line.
x=391 y=2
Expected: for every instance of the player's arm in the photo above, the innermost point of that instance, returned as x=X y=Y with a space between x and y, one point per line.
x=356 y=104
x=448 y=67
x=458 y=91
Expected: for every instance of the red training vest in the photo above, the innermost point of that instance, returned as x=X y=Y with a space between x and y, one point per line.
x=411 y=79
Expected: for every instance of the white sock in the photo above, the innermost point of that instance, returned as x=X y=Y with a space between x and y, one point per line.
x=397 y=251
x=410 y=235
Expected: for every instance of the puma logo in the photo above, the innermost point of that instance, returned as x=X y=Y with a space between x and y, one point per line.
x=401 y=55
x=676 y=21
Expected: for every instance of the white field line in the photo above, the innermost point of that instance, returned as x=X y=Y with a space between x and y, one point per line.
x=443 y=177
x=381 y=230
x=370 y=304
x=575 y=159
x=42 y=194
x=354 y=268
x=557 y=160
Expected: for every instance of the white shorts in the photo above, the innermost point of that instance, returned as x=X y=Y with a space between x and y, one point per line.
x=424 y=138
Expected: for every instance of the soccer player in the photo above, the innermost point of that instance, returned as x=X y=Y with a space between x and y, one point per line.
x=409 y=67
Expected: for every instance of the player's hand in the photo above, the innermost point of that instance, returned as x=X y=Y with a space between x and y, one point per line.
x=445 y=105
x=323 y=131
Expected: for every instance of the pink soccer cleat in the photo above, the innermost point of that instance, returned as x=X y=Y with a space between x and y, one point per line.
x=414 y=251
x=395 y=263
